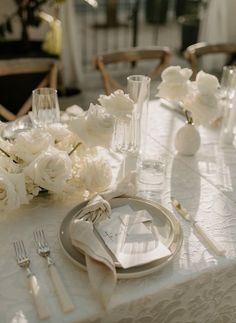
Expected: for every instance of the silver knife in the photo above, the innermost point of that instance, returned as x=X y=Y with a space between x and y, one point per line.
x=210 y=242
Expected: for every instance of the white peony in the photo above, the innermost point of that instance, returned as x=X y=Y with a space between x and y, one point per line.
x=96 y=174
x=207 y=83
x=50 y=170
x=118 y=104
x=28 y=145
x=175 y=83
x=12 y=191
x=204 y=108
x=176 y=74
x=203 y=101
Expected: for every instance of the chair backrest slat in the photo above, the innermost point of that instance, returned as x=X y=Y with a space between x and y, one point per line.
x=161 y=54
x=47 y=70
x=194 y=52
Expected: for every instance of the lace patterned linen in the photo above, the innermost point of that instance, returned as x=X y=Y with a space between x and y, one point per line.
x=196 y=287
x=213 y=162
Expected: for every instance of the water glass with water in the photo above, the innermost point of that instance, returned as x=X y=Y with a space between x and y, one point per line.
x=45 y=107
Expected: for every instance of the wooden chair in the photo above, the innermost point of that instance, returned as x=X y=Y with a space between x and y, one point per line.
x=194 y=52
x=18 y=77
x=160 y=54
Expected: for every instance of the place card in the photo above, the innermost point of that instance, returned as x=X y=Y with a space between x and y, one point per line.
x=132 y=237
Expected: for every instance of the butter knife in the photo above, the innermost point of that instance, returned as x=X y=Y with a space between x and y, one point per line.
x=210 y=242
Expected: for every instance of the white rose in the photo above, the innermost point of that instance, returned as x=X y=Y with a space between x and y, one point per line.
x=96 y=174
x=58 y=131
x=6 y=146
x=9 y=166
x=12 y=191
x=50 y=170
x=173 y=91
x=207 y=83
x=75 y=111
x=28 y=145
x=117 y=104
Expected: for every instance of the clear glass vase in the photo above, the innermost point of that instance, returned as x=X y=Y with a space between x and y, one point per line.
x=127 y=130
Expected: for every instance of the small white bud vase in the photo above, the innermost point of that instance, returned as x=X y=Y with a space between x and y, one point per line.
x=187 y=140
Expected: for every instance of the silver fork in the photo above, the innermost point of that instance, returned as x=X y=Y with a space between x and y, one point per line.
x=44 y=251
x=23 y=261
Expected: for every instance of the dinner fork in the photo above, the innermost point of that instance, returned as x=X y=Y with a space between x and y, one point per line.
x=44 y=251
x=23 y=261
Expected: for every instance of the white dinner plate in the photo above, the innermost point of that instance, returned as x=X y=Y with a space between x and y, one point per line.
x=170 y=233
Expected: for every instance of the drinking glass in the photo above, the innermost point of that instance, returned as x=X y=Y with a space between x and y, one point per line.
x=228 y=91
x=126 y=135
x=45 y=107
x=138 y=87
x=151 y=160
x=228 y=81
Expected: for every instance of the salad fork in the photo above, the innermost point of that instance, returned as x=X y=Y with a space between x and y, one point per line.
x=23 y=261
x=44 y=251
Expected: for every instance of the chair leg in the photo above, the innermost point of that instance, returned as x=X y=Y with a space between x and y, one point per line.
x=8 y=115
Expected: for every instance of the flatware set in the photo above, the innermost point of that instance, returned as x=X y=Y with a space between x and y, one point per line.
x=23 y=261
x=44 y=251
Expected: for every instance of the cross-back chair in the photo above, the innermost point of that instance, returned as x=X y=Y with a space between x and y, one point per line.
x=159 y=54
x=194 y=52
x=18 y=77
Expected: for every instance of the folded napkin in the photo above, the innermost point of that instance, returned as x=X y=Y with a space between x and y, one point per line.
x=96 y=210
x=99 y=262
x=100 y=265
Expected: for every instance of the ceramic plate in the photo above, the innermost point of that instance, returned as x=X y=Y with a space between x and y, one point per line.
x=170 y=233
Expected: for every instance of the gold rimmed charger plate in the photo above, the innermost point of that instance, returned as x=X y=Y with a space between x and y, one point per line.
x=170 y=233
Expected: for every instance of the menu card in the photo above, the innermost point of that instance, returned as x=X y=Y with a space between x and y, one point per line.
x=132 y=237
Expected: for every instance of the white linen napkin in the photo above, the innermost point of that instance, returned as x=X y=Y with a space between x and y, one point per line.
x=95 y=211
x=100 y=264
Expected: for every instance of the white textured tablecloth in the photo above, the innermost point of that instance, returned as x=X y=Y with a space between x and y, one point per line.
x=196 y=287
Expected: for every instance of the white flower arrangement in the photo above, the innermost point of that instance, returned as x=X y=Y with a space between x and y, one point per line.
x=95 y=127
x=62 y=159
x=51 y=159
x=200 y=97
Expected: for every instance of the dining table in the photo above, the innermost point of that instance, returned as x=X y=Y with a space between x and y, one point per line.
x=196 y=286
